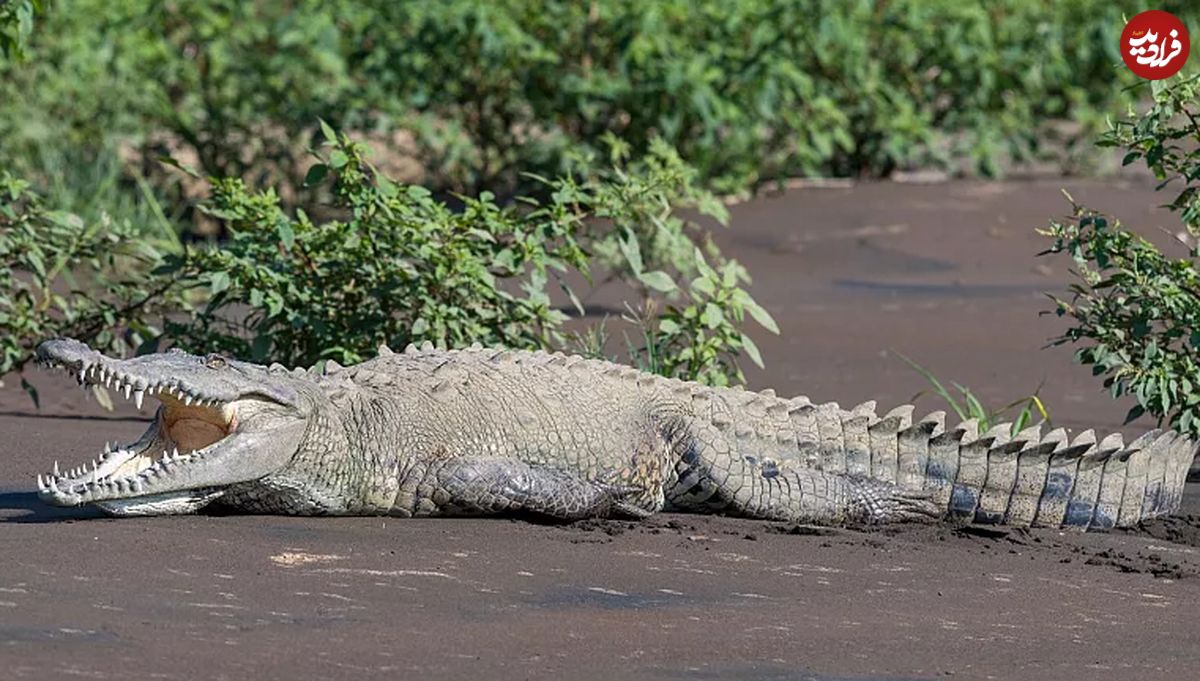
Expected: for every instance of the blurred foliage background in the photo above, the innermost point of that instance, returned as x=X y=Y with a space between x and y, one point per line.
x=465 y=96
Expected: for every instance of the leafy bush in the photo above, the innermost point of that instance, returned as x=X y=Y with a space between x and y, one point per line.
x=1136 y=308
x=701 y=336
x=466 y=96
x=398 y=266
x=62 y=277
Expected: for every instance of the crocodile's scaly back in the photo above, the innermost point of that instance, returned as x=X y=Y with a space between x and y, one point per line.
x=482 y=431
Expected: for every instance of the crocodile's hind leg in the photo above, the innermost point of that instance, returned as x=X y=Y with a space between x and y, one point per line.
x=758 y=486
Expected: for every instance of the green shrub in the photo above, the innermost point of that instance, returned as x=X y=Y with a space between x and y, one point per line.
x=1137 y=309
x=397 y=266
x=700 y=336
x=60 y=276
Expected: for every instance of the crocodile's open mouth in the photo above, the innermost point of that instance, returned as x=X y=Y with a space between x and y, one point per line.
x=203 y=439
x=187 y=428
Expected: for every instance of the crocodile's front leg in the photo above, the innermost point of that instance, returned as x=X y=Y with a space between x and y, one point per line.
x=488 y=486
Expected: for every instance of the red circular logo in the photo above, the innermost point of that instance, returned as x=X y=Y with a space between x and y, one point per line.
x=1155 y=44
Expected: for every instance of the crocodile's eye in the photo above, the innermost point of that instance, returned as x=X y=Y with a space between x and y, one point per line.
x=214 y=362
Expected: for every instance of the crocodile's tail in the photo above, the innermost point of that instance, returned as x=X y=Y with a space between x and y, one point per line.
x=995 y=477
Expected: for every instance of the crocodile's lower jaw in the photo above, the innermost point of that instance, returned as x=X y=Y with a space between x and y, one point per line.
x=168 y=503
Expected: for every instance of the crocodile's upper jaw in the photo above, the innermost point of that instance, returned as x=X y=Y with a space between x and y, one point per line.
x=220 y=423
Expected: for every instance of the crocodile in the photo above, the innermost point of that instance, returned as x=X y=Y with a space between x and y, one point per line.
x=479 y=431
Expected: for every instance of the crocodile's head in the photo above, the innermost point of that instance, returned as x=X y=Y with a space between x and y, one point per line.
x=220 y=423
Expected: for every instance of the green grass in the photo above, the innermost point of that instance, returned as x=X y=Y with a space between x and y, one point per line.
x=967 y=406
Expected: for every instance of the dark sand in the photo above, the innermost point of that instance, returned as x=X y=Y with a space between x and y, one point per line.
x=942 y=273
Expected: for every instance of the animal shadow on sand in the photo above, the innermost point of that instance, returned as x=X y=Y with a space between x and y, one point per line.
x=38 y=511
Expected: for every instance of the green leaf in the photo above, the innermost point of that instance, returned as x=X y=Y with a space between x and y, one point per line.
x=975 y=408
x=64 y=219
x=35 y=260
x=658 y=280
x=218 y=282
x=632 y=252
x=712 y=317
x=316 y=174
x=752 y=351
x=260 y=348
x=703 y=286
x=1022 y=419
x=179 y=165
x=1134 y=414
x=327 y=132
x=761 y=316
x=287 y=235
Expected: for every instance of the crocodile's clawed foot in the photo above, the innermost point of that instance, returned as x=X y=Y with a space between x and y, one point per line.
x=880 y=502
x=915 y=506
x=626 y=501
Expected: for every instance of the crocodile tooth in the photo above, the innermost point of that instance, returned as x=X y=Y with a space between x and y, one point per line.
x=138 y=396
x=187 y=399
x=41 y=483
x=128 y=389
x=56 y=469
x=53 y=484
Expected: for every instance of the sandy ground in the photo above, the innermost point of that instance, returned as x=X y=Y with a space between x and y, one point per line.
x=942 y=273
